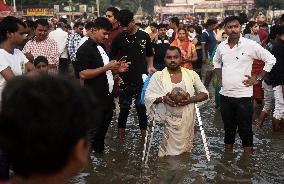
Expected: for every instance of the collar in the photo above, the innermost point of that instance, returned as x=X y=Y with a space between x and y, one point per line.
x=241 y=40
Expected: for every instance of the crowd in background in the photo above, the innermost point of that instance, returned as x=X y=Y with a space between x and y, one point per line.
x=124 y=50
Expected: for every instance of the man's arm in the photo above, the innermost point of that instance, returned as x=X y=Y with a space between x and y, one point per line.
x=204 y=38
x=7 y=74
x=218 y=65
x=53 y=55
x=92 y=73
x=151 y=68
x=150 y=56
x=262 y=54
x=165 y=99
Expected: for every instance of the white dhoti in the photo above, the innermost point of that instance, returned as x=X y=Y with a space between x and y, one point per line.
x=179 y=121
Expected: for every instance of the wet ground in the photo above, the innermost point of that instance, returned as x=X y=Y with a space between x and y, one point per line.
x=123 y=164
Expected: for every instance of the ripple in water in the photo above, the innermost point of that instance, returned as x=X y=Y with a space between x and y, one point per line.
x=123 y=164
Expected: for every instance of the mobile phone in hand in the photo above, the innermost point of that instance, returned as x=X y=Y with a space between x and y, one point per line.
x=123 y=58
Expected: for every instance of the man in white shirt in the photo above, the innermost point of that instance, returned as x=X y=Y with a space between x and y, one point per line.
x=233 y=64
x=60 y=37
x=13 y=63
x=88 y=28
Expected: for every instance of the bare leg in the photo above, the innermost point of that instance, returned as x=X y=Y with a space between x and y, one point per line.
x=275 y=124
x=261 y=119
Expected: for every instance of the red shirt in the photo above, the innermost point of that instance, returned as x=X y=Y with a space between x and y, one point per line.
x=263 y=35
x=111 y=36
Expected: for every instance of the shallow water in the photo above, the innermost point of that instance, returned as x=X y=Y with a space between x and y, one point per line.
x=123 y=164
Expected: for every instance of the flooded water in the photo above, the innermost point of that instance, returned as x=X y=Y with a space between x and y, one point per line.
x=123 y=164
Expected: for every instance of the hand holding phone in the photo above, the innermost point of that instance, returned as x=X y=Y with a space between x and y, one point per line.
x=123 y=58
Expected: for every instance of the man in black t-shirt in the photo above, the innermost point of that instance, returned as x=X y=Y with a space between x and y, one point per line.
x=277 y=78
x=96 y=70
x=136 y=45
x=161 y=45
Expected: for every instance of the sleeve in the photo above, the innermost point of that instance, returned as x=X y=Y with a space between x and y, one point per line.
x=114 y=49
x=198 y=85
x=26 y=48
x=62 y=46
x=264 y=55
x=3 y=64
x=204 y=37
x=83 y=59
x=217 y=60
x=23 y=57
x=149 y=46
x=70 y=46
x=77 y=44
x=247 y=36
x=53 y=57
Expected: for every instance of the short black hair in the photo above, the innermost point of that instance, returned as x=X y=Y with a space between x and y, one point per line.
x=89 y=25
x=63 y=20
x=175 y=20
x=198 y=30
x=243 y=18
x=115 y=12
x=30 y=24
x=39 y=59
x=174 y=48
x=210 y=22
x=60 y=25
x=248 y=27
x=162 y=26
x=77 y=24
x=190 y=26
x=125 y=17
x=231 y=19
x=102 y=23
x=42 y=22
x=264 y=24
x=9 y=24
x=154 y=24
x=41 y=121
x=274 y=31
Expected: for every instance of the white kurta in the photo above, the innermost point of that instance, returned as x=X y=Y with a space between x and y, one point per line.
x=179 y=121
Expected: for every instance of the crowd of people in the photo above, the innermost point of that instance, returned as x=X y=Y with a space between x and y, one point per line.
x=59 y=86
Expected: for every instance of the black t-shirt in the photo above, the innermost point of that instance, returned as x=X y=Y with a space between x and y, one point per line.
x=136 y=47
x=277 y=72
x=160 y=47
x=89 y=57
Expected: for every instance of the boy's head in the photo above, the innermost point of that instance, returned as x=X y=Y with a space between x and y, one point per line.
x=44 y=125
x=41 y=64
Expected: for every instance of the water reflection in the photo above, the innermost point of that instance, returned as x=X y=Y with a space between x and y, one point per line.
x=123 y=164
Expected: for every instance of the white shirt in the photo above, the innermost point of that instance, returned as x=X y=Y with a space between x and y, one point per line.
x=192 y=35
x=108 y=73
x=237 y=62
x=60 y=38
x=15 y=61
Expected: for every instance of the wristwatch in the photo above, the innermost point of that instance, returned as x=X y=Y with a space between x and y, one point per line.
x=259 y=78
